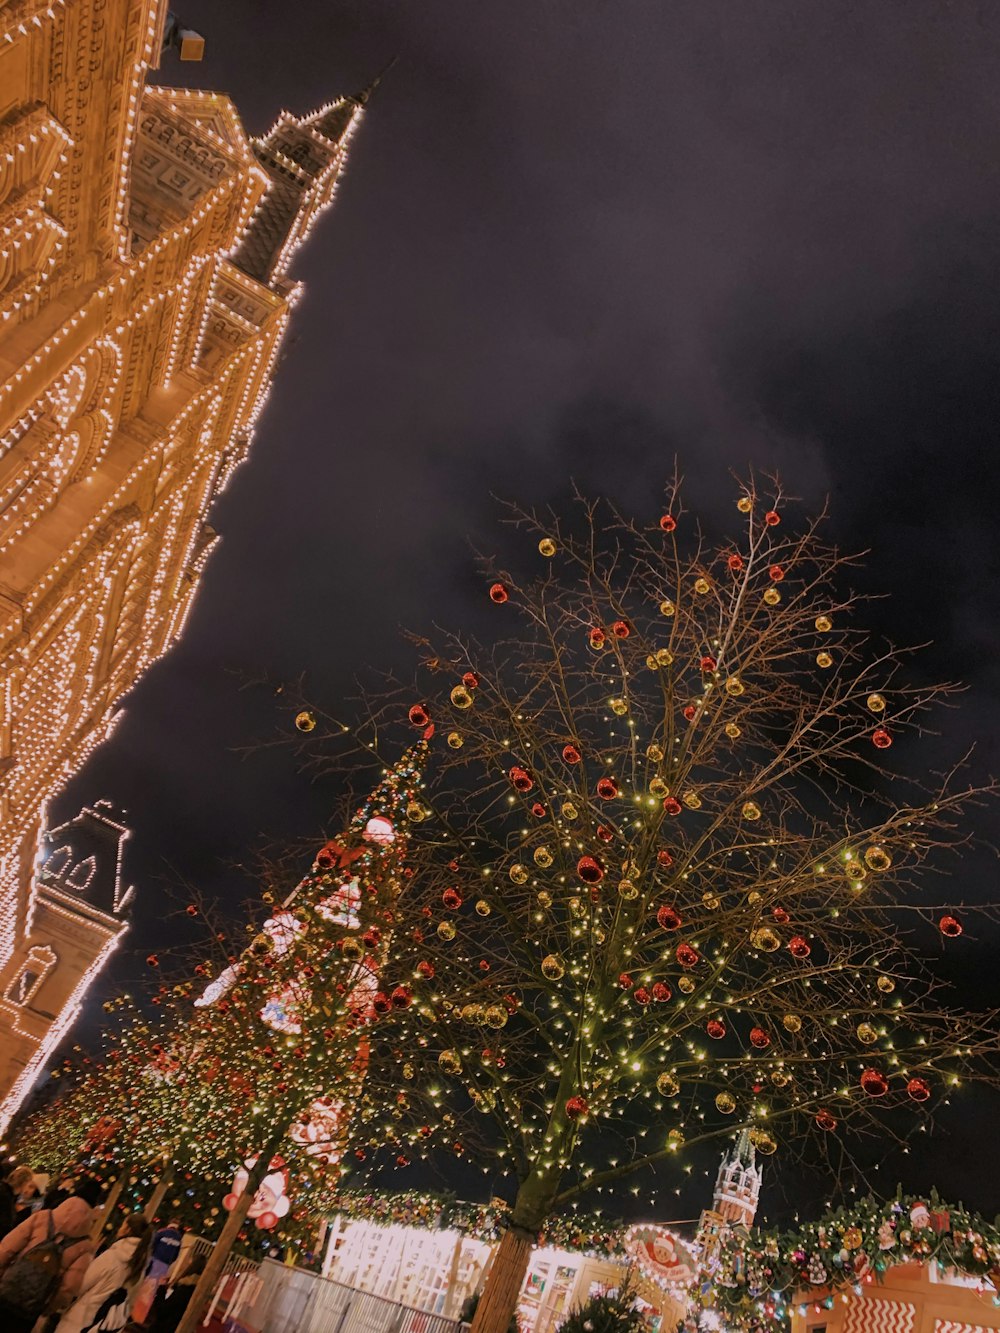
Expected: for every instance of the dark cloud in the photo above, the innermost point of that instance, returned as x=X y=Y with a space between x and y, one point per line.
x=579 y=238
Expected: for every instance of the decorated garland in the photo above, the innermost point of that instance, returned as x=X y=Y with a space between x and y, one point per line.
x=754 y=1279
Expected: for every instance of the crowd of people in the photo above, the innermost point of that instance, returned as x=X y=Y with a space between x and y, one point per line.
x=59 y=1274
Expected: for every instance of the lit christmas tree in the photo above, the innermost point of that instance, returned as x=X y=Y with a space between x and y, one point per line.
x=665 y=881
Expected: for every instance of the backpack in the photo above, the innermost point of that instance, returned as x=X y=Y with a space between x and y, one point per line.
x=32 y=1279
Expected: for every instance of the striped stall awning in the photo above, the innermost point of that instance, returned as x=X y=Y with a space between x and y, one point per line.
x=878 y=1316
x=953 y=1326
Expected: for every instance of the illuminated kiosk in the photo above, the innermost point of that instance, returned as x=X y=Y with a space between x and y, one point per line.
x=910 y=1298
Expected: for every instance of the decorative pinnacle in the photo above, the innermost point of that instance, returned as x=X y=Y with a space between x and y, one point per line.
x=362 y=97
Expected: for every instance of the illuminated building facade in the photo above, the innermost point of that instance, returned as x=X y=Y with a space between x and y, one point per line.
x=735 y=1198
x=144 y=249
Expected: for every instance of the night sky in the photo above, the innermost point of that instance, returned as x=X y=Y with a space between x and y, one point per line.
x=575 y=240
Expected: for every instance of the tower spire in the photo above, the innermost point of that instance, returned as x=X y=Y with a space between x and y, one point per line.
x=303 y=157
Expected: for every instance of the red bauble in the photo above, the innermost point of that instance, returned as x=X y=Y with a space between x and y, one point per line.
x=470 y=680
x=191 y=909
x=641 y=995
x=571 y=754
x=772 y=518
x=538 y=810
x=401 y=997
x=799 y=947
x=874 y=1082
x=707 y=663
x=520 y=779
x=687 y=957
x=371 y=937
x=661 y=992
x=605 y=833
x=776 y=573
x=919 y=1089
x=759 y=1038
x=402 y=1160
x=621 y=629
x=672 y=805
x=576 y=1107
x=152 y=960
x=690 y=712
x=780 y=915
x=950 y=925
x=625 y=981
x=664 y=857
x=826 y=1121
x=229 y=1202
x=498 y=593
x=668 y=523
x=590 y=870
x=419 y=715
x=425 y=969
x=452 y=899
x=607 y=789
x=715 y=1028
x=668 y=918
x=381 y=1002
x=597 y=637
x=881 y=738
x=735 y=563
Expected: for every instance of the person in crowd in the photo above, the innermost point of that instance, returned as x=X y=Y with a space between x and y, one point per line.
x=63 y=1189
x=110 y=1281
x=13 y=1180
x=173 y=1299
x=43 y=1260
x=25 y=1187
x=164 y=1254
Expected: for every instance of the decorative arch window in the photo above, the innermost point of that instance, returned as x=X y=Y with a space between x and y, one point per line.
x=82 y=874
x=35 y=968
x=56 y=864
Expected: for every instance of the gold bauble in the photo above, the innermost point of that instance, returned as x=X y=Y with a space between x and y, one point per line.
x=711 y=901
x=751 y=810
x=415 y=812
x=305 y=721
x=735 y=687
x=654 y=753
x=619 y=707
x=675 y=1139
x=824 y=661
x=408 y=1071
x=733 y=731
x=552 y=967
x=854 y=869
x=876 y=703
x=824 y=624
x=867 y=1035
x=692 y=800
x=780 y=1078
x=725 y=1102
x=352 y=950
x=792 y=1023
x=483 y=908
x=765 y=939
x=664 y=657
x=569 y=810
x=450 y=1062
x=455 y=740
x=518 y=873
x=658 y=788
x=686 y=984
x=651 y=661
x=627 y=890
x=576 y=907
x=446 y=931
x=886 y=985
x=667 y=1085
x=702 y=586
x=544 y=900
x=763 y=1141
x=495 y=1016
x=547 y=547
x=471 y=1013
x=542 y=857
x=744 y=504
x=877 y=859
x=667 y=607
x=772 y=596
x=461 y=697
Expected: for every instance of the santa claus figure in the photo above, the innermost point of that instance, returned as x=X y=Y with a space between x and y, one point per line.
x=271 y=1202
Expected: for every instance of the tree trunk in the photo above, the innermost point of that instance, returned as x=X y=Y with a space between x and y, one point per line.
x=107 y=1207
x=202 y=1294
x=503 y=1286
x=156 y=1198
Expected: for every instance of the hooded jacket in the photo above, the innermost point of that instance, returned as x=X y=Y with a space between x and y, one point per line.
x=74 y=1219
x=106 y=1274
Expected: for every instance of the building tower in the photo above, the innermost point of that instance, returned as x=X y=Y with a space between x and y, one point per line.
x=135 y=358
x=76 y=918
x=734 y=1201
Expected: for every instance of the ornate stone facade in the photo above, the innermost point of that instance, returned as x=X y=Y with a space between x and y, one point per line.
x=144 y=247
